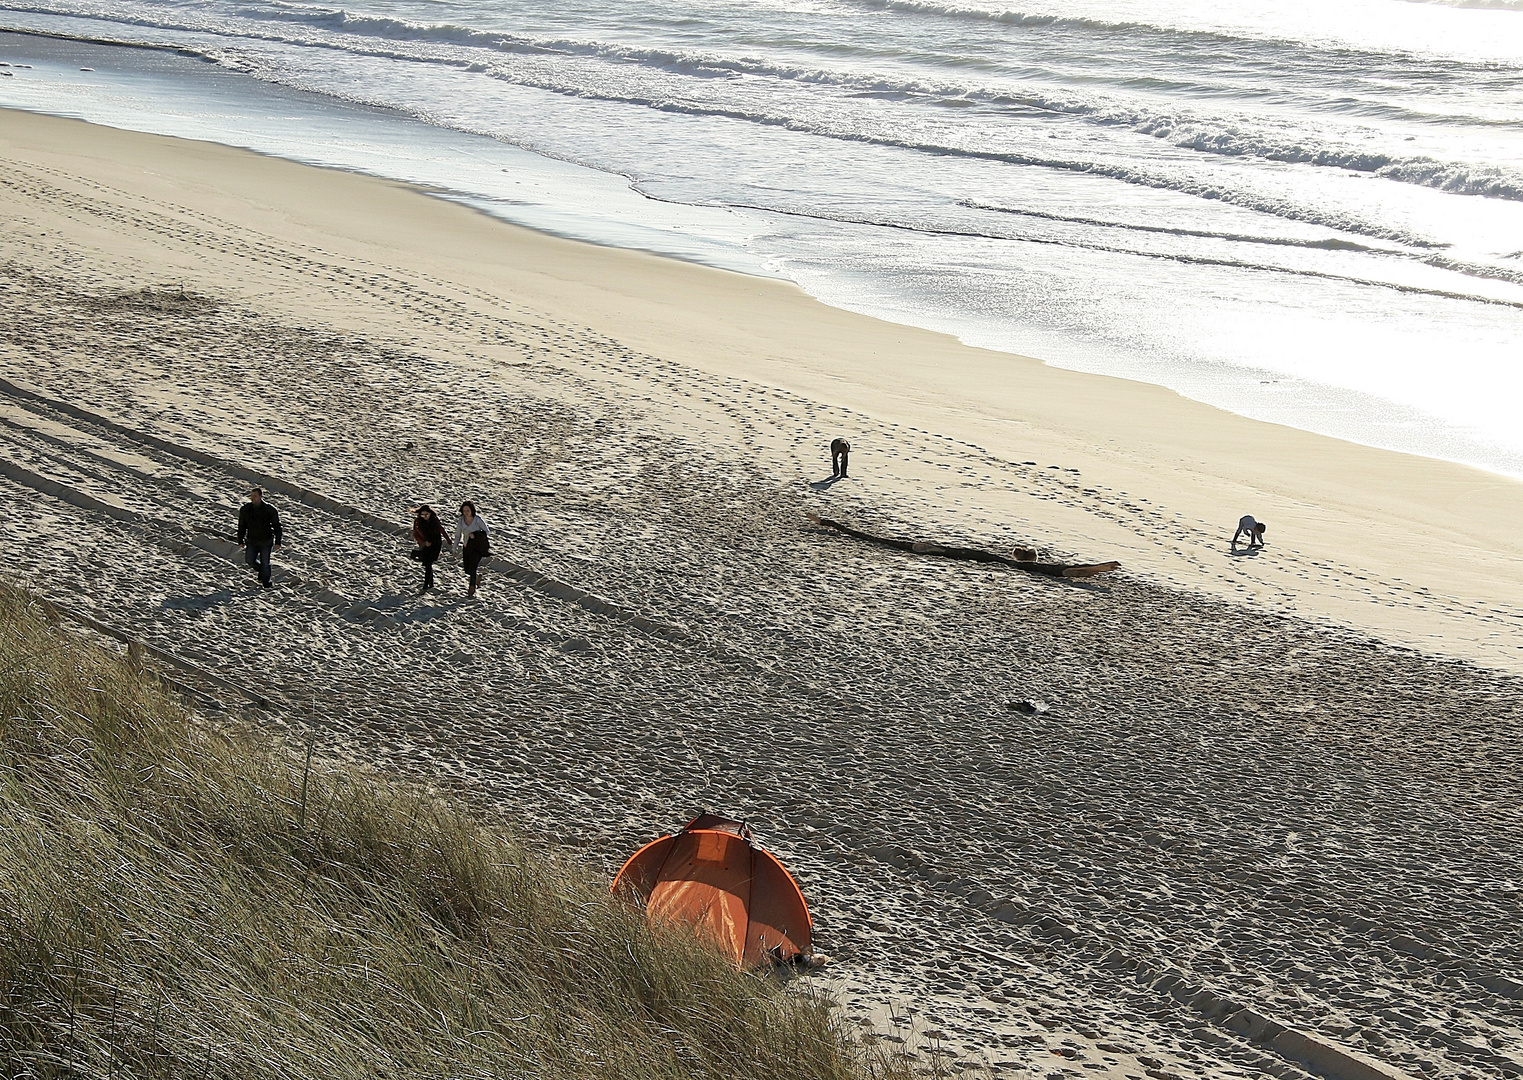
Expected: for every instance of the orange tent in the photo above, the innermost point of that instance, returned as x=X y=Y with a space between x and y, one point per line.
x=711 y=877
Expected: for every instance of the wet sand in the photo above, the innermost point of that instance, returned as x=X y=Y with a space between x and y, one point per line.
x=1252 y=833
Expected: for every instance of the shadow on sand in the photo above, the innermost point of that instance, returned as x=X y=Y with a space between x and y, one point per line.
x=197 y=603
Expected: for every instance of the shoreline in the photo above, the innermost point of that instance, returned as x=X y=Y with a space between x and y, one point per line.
x=1381 y=541
x=1273 y=388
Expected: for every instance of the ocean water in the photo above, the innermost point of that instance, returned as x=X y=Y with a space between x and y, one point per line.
x=1305 y=211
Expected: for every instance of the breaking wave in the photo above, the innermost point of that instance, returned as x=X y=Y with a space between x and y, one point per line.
x=931 y=229
x=1330 y=243
x=693 y=81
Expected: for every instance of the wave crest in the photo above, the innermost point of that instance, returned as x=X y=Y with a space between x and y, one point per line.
x=638 y=69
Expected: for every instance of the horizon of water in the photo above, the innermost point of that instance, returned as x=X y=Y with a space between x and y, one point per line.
x=1306 y=213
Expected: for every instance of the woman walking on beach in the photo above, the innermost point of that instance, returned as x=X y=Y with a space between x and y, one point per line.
x=428 y=533
x=471 y=541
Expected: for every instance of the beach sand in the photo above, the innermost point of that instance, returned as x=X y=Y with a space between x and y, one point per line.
x=1267 y=823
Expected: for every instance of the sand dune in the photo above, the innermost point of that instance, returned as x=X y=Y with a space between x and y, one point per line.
x=1239 y=842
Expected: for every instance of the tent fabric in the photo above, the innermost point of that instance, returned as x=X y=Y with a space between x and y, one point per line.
x=711 y=877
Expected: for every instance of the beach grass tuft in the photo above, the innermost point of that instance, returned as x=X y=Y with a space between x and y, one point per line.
x=178 y=901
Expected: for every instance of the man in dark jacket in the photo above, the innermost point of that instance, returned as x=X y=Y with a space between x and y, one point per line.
x=258 y=532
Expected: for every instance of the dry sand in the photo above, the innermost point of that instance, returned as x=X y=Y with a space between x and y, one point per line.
x=1252 y=835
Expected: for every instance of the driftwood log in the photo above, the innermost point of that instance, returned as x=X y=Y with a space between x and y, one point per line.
x=1024 y=559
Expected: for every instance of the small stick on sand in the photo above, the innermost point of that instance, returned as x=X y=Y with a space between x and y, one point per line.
x=1025 y=558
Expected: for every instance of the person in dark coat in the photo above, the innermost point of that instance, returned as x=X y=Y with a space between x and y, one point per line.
x=840 y=450
x=429 y=535
x=259 y=532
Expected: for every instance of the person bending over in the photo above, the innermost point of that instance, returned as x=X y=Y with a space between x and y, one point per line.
x=1250 y=528
x=840 y=450
x=259 y=532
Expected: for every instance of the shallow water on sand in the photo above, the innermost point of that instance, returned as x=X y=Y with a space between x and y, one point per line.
x=1307 y=215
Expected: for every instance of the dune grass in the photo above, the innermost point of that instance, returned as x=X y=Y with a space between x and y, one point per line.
x=176 y=902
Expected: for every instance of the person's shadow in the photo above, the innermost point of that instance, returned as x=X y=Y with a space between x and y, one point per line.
x=197 y=603
x=1238 y=553
x=821 y=485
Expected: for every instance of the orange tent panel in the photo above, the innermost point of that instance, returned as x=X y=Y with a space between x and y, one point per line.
x=732 y=893
x=639 y=874
x=779 y=924
x=706 y=884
